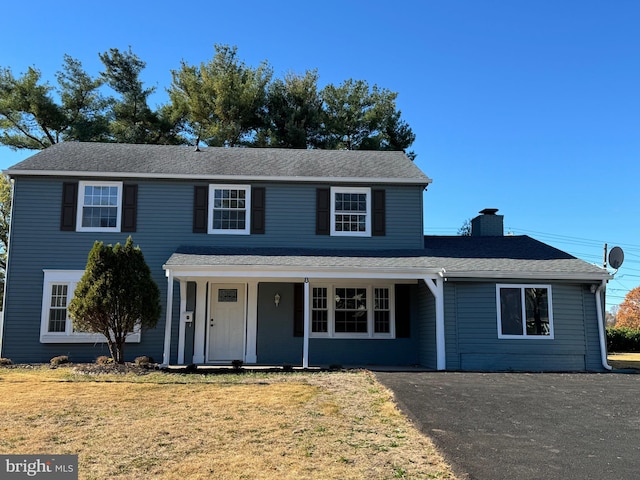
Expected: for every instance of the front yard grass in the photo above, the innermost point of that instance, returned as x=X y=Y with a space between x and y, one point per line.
x=334 y=425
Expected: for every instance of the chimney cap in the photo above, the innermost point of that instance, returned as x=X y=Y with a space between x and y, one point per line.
x=489 y=211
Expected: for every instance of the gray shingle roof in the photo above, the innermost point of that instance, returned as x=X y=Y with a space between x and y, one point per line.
x=490 y=257
x=169 y=161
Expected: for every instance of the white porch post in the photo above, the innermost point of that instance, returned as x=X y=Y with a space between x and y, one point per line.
x=181 y=329
x=200 y=321
x=166 y=355
x=251 y=353
x=305 y=344
x=436 y=286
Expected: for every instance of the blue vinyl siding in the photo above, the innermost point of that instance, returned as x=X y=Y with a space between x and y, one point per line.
x=164 y=222
x=478 y=346
x=277 y=345
x=427 y=326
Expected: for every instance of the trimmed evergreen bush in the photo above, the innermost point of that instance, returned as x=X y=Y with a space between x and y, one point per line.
x=623 y=340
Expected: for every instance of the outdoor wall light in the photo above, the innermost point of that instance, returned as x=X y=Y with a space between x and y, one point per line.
x=276 y=299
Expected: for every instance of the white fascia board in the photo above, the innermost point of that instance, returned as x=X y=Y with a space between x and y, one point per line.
x=218 y=178
x=590 y=276
x=198 y=271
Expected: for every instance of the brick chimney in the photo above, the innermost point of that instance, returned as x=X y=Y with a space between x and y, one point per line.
x=488 y=224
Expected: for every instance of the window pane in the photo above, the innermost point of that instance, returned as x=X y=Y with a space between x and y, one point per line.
x=351 y=310
x=58 y=310
x=319 y=312
x=511 y=311
x=229 y=209
x=537 y=309
x=382 y=314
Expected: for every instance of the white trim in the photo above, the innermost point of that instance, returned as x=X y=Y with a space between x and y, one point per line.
x=247 y=209
x=287 y=272
x=71 y=279
x=219 y=178
x=166 y=352
x=202 y=287
x=355 y=190
x=307 y=325
x=183 y=326
x=251 y=351
x=528 y=275
x=524 y=336
x=81 y=187
x=331 y=310
x=436 y=286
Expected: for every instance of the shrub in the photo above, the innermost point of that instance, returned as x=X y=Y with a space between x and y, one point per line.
x=104 y=360
x=59 y=360
x=143 y=361
x=237 y=364
x=623 y=340
x=5 y=361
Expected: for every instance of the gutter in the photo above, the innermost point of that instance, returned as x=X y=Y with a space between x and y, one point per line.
x=601 y=330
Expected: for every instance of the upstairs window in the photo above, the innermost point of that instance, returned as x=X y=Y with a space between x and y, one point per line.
x=100 y=206
x=229 y=209
x=524 y=311
x=351 y=211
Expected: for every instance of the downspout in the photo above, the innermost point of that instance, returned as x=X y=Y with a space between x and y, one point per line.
x=601 y=330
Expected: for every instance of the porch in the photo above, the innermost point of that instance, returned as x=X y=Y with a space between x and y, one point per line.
x=298 y=310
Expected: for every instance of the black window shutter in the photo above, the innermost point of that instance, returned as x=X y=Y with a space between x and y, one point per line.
x=298 y=310
x=69 y=206
x=403 y=310
x=257 y=210
x=200 y=203
x=129 y=208
x=379 y=213
x=323 y=211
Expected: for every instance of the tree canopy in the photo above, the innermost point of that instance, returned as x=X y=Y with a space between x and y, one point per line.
x=628 y=315
x=220 y=102
x=116 y=295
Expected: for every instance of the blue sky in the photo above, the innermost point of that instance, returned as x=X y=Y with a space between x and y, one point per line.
x=532 y=107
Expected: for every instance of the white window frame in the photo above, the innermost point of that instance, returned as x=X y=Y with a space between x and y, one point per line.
x=247 y=192
x=356 y=190
x=81 y=206
x=70 y=278
x=524 y=336
x=370 y=334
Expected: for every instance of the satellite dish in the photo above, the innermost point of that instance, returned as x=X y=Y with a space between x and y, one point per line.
x=616 y=257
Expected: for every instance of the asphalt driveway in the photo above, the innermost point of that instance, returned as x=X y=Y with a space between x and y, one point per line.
x=494 y=426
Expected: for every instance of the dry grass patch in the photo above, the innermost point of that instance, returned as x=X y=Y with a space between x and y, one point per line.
x=624 y=360
x=254 y=426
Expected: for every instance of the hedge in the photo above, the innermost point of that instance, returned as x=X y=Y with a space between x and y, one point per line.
x=623 y=340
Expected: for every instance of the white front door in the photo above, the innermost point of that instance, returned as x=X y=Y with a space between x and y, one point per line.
x=226 y=323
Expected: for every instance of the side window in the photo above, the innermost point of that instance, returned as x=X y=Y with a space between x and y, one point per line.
x=56 y=325
x=524 y=311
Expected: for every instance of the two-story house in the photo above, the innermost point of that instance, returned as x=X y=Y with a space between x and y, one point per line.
x=301 y=257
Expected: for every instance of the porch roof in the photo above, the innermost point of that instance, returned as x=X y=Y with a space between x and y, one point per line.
x=449 y=257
